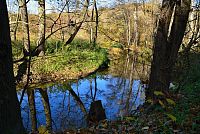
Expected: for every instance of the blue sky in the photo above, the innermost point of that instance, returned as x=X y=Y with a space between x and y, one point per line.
x=32 y=5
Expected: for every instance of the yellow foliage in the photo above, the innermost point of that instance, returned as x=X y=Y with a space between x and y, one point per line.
x=158 y=93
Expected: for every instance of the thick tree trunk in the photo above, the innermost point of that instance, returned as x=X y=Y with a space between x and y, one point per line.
x=41 y=33
x=96 y=113
x=170 y=32
x=10 y=117
x=25 y=26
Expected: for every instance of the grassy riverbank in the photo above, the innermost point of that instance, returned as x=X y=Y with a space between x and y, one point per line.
x=73 y=61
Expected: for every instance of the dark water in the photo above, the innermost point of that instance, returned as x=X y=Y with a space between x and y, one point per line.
x=119 y=88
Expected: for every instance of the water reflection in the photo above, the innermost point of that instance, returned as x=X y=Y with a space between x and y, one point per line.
x=67 y=104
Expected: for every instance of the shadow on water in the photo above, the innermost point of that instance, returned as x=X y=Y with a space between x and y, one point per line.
x=67 y=105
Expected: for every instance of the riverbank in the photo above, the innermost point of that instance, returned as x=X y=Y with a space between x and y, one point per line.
x=177 y=113
x=74 y=61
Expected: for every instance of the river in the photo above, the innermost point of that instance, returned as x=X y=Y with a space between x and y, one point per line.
x=120 y=88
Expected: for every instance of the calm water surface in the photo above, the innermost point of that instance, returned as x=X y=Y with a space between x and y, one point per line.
x=119 y=88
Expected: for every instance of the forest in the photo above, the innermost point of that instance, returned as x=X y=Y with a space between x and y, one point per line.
x=99 y=67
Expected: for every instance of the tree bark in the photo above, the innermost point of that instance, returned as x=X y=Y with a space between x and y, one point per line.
x=91 y=23
x=136 y=37
x=25 y=26
x=170 y=32
x=10 y=117
x=96 y=113
x=16 y=27
x=96 y=22
x=42 y=27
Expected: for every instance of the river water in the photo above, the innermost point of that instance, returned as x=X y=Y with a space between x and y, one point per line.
x=120 y=88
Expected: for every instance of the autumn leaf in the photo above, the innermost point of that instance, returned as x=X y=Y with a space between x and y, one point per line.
x=173 y=118
x=170 y=101
x=158 y=93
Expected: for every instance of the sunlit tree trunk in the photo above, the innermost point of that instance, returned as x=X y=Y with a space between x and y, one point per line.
x=25 y=25
x=136 y=38
x=16 y=27
x=170 y=32
x=10 y=117
x=42 y=22
x=193 y=28
x=62 y=33
x=94 y=28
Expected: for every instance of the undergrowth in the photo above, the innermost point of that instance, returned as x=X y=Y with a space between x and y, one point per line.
x=177 y=112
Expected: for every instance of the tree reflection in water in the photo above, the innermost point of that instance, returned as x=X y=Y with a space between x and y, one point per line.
x=67 y=104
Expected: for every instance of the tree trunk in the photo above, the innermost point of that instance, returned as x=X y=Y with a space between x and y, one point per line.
x=10 y=117
x=73 y=35
x=42 y=21
x=136 y=37
x=25 y=26
x=91 y=24
x=16 y=27
x=170 y=32
x=96 y=113
x=96 y=22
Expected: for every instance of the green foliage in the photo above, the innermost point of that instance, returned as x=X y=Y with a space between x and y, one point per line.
x=117 y=45
x=53 y=46
x=78 y=56
x=17 y=49
x=79 y=44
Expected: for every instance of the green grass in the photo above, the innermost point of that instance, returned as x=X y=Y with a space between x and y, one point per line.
x=78 y=56
x=76 y=60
